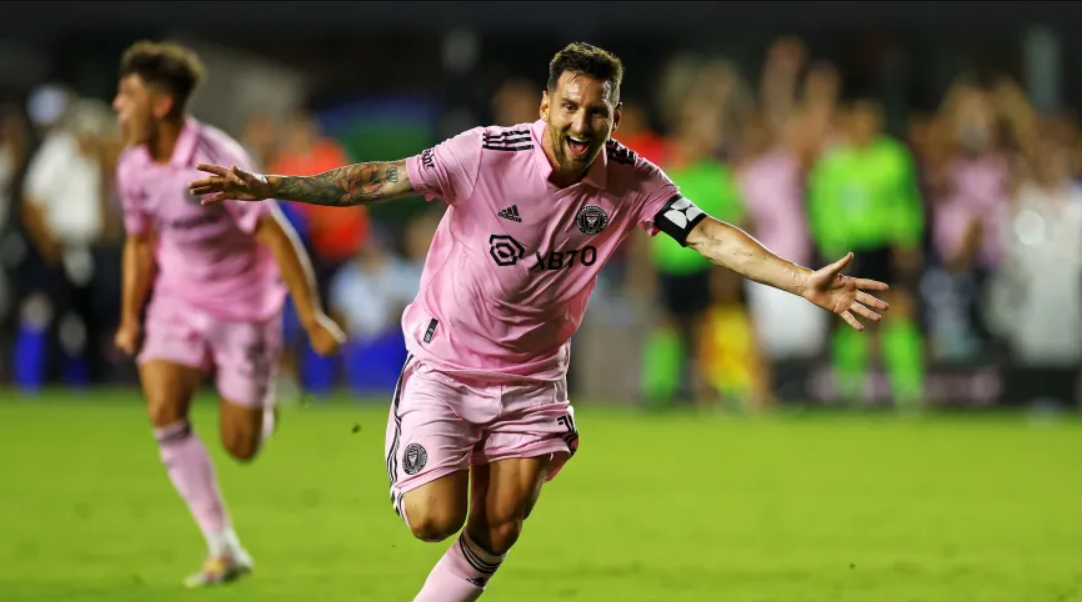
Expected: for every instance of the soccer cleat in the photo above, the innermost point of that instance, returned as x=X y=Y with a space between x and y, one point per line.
x=220 y=570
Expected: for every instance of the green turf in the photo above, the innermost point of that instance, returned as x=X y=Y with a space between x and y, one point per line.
x=654 y=508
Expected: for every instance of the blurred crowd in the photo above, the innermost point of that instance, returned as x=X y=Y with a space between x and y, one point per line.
x=973 y=215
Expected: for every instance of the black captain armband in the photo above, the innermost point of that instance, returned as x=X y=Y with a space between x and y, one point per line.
x=678 y=218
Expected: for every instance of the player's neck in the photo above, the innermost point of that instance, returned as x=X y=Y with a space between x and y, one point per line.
x=164 y=141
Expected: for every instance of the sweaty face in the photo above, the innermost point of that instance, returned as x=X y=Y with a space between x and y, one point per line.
x=135 y=105
x=581 y=114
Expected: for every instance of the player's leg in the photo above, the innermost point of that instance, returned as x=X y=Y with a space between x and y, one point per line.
x=503 y=494
x=526 y=446
x=247 y=356
x=428 y=450
x=852 y=350
x=699 y=293
x=901 y=342
x=169 y=389
x=172 y=364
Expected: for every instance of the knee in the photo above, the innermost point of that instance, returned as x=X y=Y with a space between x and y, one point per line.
x=163 y=412
x=498 y=537
x=434 y=525
x=241 y=445
x=499 y=529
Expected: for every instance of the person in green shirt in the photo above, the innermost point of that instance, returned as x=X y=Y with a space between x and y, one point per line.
x=684 y=277
x=864 y=196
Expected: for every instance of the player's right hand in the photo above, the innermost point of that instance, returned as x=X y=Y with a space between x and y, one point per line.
x=325 y=336
x=127 y=337
x=230 y=183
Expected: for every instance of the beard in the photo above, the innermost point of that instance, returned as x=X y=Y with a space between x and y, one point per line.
x=576 y=156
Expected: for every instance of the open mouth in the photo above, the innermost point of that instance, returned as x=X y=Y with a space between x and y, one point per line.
x=578 y=146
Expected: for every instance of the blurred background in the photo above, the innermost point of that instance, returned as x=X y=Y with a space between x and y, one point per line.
x=940 y=142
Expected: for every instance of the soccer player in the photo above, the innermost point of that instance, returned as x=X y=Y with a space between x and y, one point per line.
x=217 y=297
x=481 y=418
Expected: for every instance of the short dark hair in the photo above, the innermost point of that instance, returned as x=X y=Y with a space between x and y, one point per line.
x=171 y=66
x=589 y=60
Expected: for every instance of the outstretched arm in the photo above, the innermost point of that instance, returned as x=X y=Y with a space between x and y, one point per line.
x=358 y=184
x=732 y=248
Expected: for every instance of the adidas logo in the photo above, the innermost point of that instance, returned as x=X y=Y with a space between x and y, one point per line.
x=510 y=213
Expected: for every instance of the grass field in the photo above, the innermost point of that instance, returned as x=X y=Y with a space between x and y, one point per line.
x=665 y=508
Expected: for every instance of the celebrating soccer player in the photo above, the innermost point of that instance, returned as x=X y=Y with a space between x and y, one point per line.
x=209 y=282
x=535 y=211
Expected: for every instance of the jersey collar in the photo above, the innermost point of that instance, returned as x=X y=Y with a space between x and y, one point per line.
x=187 y=141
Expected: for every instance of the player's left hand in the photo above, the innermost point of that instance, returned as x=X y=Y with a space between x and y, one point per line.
x=325 y=335
x=230 y=183
x=843 y=295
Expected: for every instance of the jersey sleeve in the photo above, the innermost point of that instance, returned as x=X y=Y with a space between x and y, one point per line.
x=664 y=209
x=448 y=170
x=136 y=220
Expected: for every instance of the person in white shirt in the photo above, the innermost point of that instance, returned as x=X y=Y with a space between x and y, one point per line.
x=1037 y=297
x=63 y=214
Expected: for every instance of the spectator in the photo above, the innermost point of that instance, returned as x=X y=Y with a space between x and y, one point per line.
x=1040 y=285
x=334 y=235
x=864 y=197
x=683 y=275
x=970 y=175
x=63 y=213
x=771 y=176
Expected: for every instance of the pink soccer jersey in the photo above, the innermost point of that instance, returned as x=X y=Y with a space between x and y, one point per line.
x=515 y=258
x=207 y=256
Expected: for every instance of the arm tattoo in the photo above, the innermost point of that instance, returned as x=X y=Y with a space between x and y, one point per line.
x=359 y=184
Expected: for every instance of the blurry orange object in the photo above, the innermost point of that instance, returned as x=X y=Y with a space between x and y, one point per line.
x=336 y=233
x=647 y=144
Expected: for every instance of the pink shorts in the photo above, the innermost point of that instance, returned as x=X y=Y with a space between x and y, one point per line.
x=441 y=424
x=244 y=355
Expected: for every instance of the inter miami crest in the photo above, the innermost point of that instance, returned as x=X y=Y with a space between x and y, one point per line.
x=592 y=219
x=414 y=459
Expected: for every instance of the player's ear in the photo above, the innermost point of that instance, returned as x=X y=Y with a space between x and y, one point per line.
x=617 y=115
x=545 y=103
x=161 y=105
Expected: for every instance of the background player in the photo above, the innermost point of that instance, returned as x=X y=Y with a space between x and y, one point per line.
x=535 y=212
x=216 y=293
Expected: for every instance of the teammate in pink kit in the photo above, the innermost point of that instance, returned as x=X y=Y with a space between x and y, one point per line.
x=210 y=285
x=535 y=211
